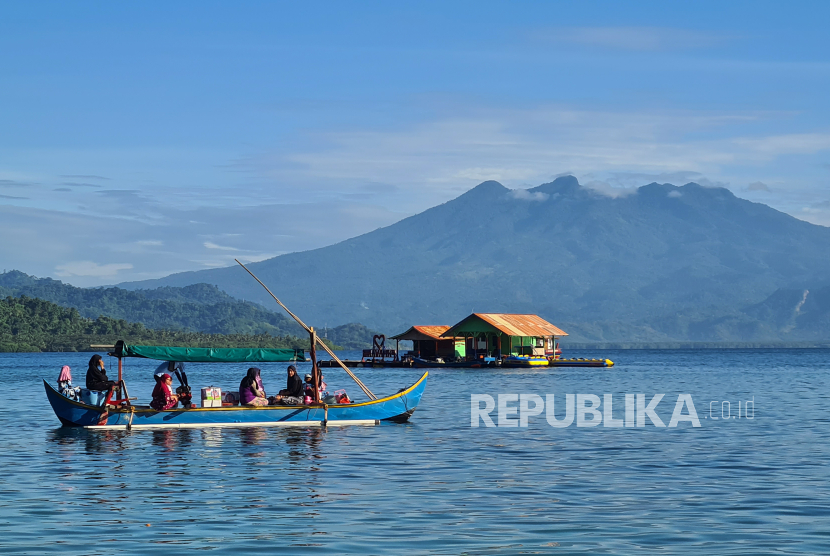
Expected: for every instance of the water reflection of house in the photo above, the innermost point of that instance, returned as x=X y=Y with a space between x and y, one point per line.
x=500 y=335
x=428 y=342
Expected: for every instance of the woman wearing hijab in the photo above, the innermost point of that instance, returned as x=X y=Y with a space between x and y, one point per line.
x=163 y=396
x=65 y=384
x=251 y=390
x=96 y=376
x=294 y=387
x=293 y=394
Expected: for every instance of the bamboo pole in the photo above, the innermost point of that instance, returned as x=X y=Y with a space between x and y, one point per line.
x=315 y=372
x=308 y=329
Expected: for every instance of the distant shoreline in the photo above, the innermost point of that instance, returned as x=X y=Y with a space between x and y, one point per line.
x=693 y=345
x=615 y=346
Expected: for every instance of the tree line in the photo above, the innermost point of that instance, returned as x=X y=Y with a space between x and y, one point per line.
x=201 y=308
x=30 y=325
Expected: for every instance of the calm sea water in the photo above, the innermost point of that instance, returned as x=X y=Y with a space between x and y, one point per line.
x=436 y=485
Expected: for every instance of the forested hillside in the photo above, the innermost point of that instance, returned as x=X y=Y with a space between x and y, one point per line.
x=28 y=324
x=196 y=308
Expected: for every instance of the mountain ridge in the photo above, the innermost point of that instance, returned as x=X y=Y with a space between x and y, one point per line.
x=603 y=267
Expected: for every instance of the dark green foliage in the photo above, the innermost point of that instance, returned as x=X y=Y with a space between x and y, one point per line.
x=28 y=324
x=351 y=336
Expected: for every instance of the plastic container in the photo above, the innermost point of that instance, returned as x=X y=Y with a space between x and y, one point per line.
x=92 y=397
x=211 y=397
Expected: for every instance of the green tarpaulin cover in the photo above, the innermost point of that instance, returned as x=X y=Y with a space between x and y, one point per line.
x=213 y=355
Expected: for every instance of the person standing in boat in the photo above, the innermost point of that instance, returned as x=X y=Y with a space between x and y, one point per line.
x=96 y=375
x=163 y=396
x=251 y=390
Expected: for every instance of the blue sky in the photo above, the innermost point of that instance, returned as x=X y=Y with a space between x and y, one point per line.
x=141 y=139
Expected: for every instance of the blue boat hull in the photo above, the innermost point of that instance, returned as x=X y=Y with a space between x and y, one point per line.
x=396 y=408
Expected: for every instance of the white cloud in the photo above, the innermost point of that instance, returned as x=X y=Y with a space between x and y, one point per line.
x=793 y=143
x=674 y=194
x=211 y=245
x=525 y=195
x=608 y=190
x=440 y=159
x=89 y=268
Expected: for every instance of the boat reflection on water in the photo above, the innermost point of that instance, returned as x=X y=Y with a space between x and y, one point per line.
x=173 y=440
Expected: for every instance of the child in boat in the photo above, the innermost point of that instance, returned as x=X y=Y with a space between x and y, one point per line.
x=65 y=384
x=251 y=390
x=321 y=385
x=163 y=396
x=308 y=390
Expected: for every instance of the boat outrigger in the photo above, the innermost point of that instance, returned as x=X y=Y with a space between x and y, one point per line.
x=117 y=411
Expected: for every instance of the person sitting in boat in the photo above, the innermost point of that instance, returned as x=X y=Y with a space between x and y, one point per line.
x=163 y=396
x=96 y=375
x=308 y=389
x=65 y=384
x=293 y=393
x=251 y=390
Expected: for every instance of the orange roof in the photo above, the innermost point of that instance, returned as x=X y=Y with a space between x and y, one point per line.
x=432 y=331
x=516 y=325
x=423 y=333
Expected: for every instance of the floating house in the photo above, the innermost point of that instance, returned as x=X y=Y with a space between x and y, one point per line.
x=500 y=335
x=428 y=342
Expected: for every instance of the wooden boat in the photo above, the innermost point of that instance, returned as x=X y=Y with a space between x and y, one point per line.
x=123 y=414
x=395 y=408
x=525 y=361
x=574 y=362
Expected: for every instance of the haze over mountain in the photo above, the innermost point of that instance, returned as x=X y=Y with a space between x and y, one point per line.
x=657 y=263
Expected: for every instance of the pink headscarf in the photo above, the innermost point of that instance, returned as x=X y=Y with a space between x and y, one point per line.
x=66 y=375
x=161 y=389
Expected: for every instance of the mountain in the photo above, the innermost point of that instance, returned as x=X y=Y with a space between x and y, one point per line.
x=660 y=263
